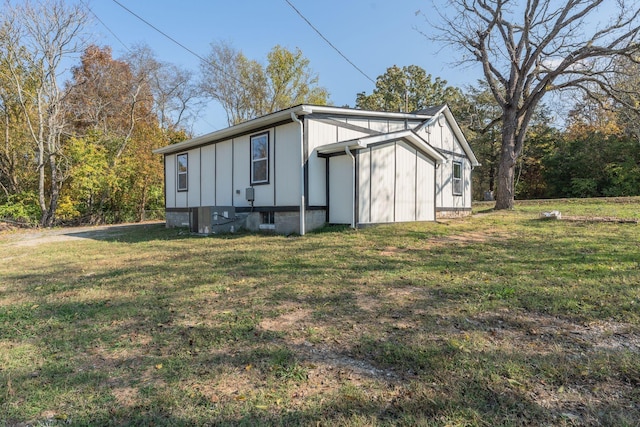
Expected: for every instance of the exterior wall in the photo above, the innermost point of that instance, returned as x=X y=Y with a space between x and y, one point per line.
x=440 y=135
x=382 y=183
x=219 y=174
x=340 y=190
x=286 y=165
x=405 y=191
x=208 y=174
x=396 y=183
x=170 y=181
x=425 y=191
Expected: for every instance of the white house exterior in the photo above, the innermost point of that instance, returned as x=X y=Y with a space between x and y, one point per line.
x=306 y=166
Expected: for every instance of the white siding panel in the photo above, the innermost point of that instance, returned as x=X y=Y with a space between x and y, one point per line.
x=317 y=180
x=467 y=184
x=425 y=200
x=208 y=175
x=320 y=134
x=363 y=123
x=396 y=125
x=170 y=180
x=241 y=177
x=340 y=190
x=379 y=125
x=286 y=168
x=224 y=168
x=382 y=183
x=364 y=186
x=347 y=134
x=193 y=194
x=405 y=181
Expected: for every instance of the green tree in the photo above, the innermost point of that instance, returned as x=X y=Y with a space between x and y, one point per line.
x=290 y=81
x=408 y=89
x=246 y=89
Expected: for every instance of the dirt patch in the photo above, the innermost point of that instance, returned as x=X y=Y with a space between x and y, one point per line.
x=286 y=321
x=531 y=328
x=32 y=238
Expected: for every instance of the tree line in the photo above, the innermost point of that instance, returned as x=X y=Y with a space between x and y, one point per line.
x=77 y=140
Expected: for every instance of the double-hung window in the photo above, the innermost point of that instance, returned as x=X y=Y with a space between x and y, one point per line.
x=260 y=159
x=183 y=172
x=457 y=178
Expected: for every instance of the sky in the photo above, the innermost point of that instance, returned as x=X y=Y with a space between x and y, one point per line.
x=373 y=34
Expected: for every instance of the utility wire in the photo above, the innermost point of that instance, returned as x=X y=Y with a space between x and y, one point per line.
x=328 y=42
x=105 y=25
x=160 y=31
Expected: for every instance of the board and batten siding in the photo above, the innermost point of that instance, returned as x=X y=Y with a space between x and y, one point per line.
x=440 y=135
x=396 y=183
x=219 y=173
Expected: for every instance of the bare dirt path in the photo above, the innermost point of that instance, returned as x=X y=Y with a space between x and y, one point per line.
x=34 y=237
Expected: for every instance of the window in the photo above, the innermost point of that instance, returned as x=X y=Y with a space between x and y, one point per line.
x=268 y=217
x=260 y=159
x=183 y=172
x=457 y=178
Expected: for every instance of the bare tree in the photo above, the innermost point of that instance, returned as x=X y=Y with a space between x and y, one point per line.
x=527 y=49
x=38 y=37
x=175 y=94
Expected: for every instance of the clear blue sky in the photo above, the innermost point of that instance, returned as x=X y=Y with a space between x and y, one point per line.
x=373 y=34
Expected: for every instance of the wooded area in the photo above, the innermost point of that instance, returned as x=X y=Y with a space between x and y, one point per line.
x=77 y=140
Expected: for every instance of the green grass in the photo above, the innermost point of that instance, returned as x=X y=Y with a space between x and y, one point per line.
x=497 y=319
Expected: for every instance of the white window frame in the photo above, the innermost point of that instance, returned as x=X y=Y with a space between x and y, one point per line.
x=181 y=173
x=259 y=138
x=456 y=181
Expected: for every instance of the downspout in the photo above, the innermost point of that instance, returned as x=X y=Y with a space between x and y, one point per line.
x=302 y=201
x=353 y=186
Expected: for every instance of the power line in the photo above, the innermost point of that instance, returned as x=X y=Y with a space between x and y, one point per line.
x=105 y=25
x=160 y=31
x=328 y=42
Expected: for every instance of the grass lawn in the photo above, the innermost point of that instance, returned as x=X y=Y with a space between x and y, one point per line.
x=497 y=319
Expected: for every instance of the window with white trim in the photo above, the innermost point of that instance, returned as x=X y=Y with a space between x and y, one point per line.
x=260 y=159
x=183 y=172
x=457 y=178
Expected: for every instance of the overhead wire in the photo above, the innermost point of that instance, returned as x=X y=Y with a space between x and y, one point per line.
x=160 y=31
x=328 y=42
x=105 y=25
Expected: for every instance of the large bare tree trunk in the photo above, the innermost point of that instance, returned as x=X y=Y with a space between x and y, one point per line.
x=505 y=193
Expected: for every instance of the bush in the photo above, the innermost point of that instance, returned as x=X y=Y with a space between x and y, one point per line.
x=21 y=207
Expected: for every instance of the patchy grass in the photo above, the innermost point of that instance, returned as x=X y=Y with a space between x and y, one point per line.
x=498 y=319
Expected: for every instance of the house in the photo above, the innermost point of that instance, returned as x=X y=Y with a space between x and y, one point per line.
x=297 y=169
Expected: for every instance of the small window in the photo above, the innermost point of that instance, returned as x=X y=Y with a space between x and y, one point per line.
x=457 y=178
x=260 y=159
x=183 y=172
x=268 y=217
